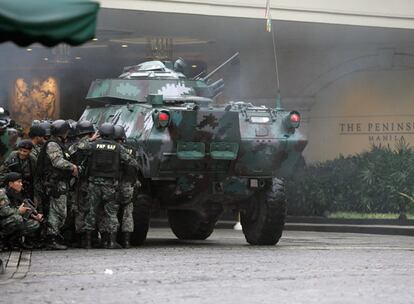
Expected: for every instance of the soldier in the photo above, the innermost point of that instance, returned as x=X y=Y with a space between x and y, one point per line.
x=128 y=180
x=23 y=162
x=37 y=136
x=104 y=162
x=54 y=171
x=78 y=154
x=16 y=219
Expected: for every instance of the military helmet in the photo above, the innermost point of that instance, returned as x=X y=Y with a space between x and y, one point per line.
x=84 y=127
x=119 y=132
x=72 y=128
x=107 y=130
x=3 y=123
x=37 y=130
x=59 y=127
x=47 y=126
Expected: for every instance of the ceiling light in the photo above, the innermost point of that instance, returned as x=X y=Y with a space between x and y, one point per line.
x=124 y=45
x=78 y=58
x=45 y=59
x=194 y=66
x=95 y=39
x=29 y=50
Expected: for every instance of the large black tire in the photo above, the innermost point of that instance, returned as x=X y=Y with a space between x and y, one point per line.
x=191 y=225
x=264 y=218
x=142 y=215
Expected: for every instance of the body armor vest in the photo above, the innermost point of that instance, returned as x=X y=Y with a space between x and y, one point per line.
x=105 y=159
x=44 y=167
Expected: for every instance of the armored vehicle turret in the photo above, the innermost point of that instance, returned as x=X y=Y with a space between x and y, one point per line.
x=196 y=158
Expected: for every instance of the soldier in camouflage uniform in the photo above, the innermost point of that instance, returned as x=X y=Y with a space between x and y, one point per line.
x=78 y=154
x=127 y=182
x=104 y=163
x=16 y=220
x=23 y=162
x=37 y=136
x=54 y=171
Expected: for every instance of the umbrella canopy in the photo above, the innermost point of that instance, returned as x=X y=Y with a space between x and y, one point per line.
x=47 y=21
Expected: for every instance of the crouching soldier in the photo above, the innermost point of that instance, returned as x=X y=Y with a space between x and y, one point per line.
x=16 y=218
x=104 y=164
x=23 y=162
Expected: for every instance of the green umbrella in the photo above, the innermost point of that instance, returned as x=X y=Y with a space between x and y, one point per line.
x=47 y=21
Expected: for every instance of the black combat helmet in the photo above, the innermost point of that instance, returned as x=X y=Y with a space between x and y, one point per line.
x=47 y=126
x=119 y=133
x=107 y=130
x=37 y=130
x=84 y=127
x=72 y=128
x=60 y=127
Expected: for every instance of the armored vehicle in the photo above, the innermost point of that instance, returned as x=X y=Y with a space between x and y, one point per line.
x=196 y=158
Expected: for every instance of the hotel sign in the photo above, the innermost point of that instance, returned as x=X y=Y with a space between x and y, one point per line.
x=378 y=131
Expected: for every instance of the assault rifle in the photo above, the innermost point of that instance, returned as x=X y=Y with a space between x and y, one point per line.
x=32 y=209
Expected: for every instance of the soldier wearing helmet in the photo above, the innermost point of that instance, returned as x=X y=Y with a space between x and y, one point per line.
x=104 y=164
x=78 y=154
x=53 y=172
x=127 y=182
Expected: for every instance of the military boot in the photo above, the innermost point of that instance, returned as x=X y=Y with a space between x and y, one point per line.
x=87 y=240
x=53 y=244
x=126 y=240
x=112 y=243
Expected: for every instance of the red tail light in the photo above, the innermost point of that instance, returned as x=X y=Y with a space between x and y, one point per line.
x=293 y=119
x=164 y=117
x=161 y=118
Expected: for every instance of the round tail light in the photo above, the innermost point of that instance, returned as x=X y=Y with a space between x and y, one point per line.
x=294 y=119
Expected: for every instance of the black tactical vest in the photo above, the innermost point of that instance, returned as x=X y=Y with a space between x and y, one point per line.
x=44 y=167
x=105 y=159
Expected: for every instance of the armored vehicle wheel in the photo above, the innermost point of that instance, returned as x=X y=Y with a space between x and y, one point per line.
x=190 y=225
x=142 y=214
x=264 y=218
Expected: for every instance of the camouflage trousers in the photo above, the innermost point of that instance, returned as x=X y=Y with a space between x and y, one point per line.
x=77 y=207
x=101 y=206
x=126 y=192
x=16 y=224
x=57 y=210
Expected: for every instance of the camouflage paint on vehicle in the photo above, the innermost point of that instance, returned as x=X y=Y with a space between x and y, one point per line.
x=206 y=153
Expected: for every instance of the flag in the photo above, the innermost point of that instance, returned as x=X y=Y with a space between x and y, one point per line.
x=268 y=17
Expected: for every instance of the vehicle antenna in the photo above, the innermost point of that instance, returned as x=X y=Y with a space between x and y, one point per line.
x=269 y=24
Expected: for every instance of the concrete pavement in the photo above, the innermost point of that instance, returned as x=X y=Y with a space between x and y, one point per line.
x=305 y=267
